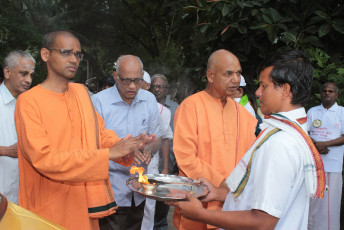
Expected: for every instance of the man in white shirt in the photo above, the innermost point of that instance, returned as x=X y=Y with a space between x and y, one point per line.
x=19 y=67
x=271 y=185
x=326 y=128
x=153 y=167
x=241 y=97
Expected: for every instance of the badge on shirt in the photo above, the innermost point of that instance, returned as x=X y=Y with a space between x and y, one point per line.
x=316 y=123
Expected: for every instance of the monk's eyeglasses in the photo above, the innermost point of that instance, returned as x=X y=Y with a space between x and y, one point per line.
x=69 y=52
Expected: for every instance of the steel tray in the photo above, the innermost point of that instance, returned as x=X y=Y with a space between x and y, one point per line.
x=170 y=187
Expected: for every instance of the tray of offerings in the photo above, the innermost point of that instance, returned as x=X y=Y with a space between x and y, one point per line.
x=164 y=187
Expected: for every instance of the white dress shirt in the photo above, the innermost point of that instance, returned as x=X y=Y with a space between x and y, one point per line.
x=9 y=175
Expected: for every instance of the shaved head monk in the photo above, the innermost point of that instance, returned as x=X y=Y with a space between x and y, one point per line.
x=212 y=131
x=63 y=146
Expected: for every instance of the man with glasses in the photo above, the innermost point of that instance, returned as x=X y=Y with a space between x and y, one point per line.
x=326 y=128
x=19 y=67
x=63 y=146
x=126 y=109
x=160 y=88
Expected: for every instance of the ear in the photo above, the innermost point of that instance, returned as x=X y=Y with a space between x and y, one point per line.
x=210 y=76
x=286 y=91
x=241 y=91
x=115 y=76
x=7 y=72
x=45 y=54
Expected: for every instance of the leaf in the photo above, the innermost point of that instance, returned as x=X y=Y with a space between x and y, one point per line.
x=225 y=9
x=190 y=9
x=290 y=36
x=225 y=29
x=321 y=14
x=203 y=28
x=259 y=26
x=276 y=17
x=267 y=19
x=254 y=12
x=338 y=25
x=242 y=29
x=324 y=29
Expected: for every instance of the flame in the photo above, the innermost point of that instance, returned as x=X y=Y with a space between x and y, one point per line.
x=142 y=178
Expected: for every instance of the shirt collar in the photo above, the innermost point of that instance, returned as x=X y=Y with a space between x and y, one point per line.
x=116 y=97
x=295 y=114
x=333 y=108
x=6 y=95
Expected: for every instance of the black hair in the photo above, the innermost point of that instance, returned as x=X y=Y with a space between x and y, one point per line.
x=50 y=38
x=292 y=67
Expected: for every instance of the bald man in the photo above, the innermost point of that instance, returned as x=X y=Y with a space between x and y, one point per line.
x=212 y=132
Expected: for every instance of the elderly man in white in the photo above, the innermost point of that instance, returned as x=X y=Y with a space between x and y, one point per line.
x=153 y=167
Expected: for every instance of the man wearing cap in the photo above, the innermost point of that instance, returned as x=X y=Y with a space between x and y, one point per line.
x=241 y=97
x=153 y=167
x=126 y=109
x=212 y=132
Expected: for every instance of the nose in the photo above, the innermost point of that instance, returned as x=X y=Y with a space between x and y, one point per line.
x=236 y=78
x=258 y=92
x=132 y=85
x=28 y=79
x=73 y=59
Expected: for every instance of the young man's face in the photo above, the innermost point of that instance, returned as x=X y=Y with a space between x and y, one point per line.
x=269 y=95
x=19 y=79
x=62 y=60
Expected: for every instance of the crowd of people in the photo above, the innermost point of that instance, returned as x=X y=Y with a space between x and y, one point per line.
x=66 y=155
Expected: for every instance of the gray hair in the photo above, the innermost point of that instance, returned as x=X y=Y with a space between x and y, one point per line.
x=120 y=58
x=160 y=76
x=11 y=60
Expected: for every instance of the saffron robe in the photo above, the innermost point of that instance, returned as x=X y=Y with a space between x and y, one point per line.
x=209 y=140
x=58 y=155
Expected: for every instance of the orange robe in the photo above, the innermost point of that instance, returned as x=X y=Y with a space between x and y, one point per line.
x=209 y=140
x=58 y=155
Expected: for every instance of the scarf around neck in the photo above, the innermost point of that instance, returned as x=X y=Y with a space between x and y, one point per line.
x=313 y=165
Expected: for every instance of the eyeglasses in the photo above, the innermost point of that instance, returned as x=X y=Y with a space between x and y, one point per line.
x=67 y=53
x=327 y=91
x=158 y=86
x=128 y=81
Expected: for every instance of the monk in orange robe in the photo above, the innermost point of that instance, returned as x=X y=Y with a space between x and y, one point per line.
x=212 y=132
x=63 y=146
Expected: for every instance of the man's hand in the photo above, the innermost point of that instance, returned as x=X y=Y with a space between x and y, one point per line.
x=211 y=196
x=322 y=147
x=129 y=145
x=191 y=209
x=9 y=151
x=143 y=157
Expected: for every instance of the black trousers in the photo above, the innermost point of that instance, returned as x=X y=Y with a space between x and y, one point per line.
x=125 y=218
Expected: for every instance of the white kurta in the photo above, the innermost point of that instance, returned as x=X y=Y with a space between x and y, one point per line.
x=277 y=181
x=9 y=174
x=153 y=167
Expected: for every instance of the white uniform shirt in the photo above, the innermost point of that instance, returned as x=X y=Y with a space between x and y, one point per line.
x=166 y=132
x=9 y=175
x=248 y=106
x=324 y=125
x=277 y=181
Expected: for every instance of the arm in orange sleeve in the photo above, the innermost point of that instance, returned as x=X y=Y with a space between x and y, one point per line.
x=35 y=147
x=109 y=138
x=185 y=146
